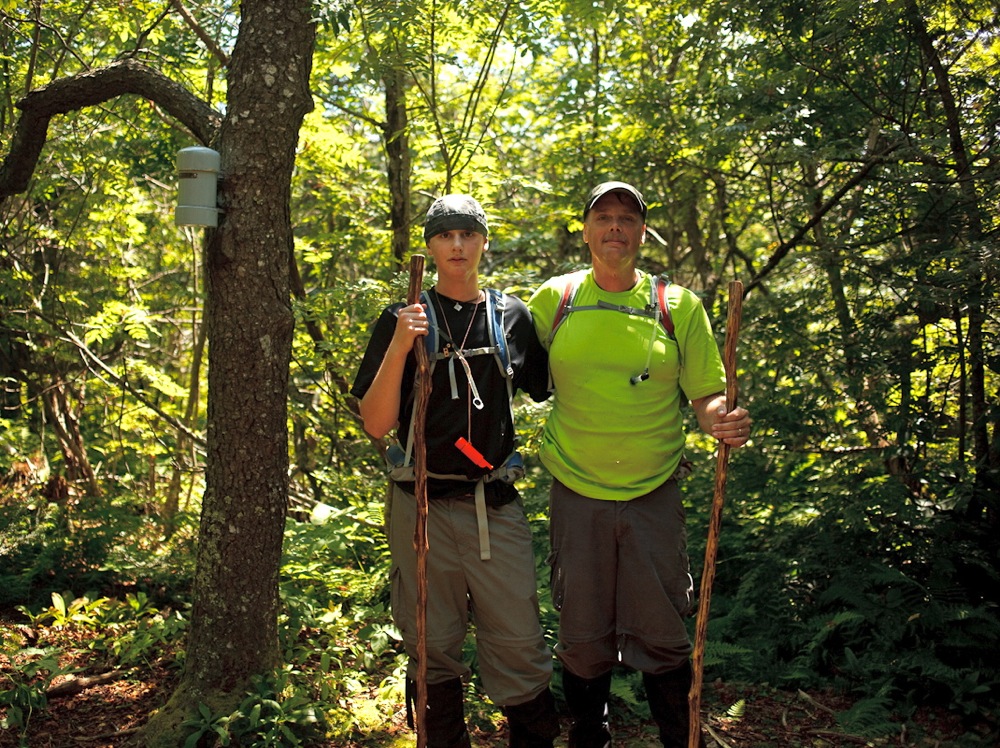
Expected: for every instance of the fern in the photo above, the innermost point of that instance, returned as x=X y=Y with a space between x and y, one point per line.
x=722 y=653
x=626 y=688
x=870 y=717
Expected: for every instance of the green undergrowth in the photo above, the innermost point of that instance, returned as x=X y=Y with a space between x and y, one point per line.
x=852 y=599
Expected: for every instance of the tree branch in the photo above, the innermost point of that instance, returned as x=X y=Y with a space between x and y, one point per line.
x=76 y=684
x=88 y=89
x=200 y=32
x=789 y=244
x=89 y=355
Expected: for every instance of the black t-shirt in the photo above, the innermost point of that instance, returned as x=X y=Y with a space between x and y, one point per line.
x=489 y=430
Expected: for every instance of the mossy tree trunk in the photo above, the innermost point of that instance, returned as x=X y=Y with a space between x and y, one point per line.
x=233 y=632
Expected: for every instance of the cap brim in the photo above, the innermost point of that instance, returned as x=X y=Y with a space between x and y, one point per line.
x=609 y=188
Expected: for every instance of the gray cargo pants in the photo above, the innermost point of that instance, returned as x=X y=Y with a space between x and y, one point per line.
x=621 y=581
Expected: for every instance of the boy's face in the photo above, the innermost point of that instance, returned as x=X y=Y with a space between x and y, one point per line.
x=457 y=253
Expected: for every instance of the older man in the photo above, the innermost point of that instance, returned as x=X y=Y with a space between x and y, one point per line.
x=625 y=351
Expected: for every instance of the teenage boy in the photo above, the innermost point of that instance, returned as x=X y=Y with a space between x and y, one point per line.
x=480 y=557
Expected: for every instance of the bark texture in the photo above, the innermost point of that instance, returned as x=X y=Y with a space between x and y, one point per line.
x=233 y=632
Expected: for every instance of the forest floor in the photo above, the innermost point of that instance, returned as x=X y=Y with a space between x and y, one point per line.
x=106 y=714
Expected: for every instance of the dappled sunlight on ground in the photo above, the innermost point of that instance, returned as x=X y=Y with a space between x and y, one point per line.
x=106 y=714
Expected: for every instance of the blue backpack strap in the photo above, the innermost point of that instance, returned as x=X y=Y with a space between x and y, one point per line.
x=496 y=307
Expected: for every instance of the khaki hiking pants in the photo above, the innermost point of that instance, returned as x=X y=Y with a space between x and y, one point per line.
x=499 y=595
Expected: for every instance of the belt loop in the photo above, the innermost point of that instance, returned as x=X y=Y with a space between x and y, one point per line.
x=484 y=530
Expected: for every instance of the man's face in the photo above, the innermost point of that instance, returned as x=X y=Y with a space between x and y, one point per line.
x=614 y=228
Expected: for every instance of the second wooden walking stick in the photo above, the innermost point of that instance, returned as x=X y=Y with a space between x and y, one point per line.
x=715 y=523
x=422 y=391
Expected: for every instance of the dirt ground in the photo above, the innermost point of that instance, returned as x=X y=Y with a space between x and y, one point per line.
x=106 y=714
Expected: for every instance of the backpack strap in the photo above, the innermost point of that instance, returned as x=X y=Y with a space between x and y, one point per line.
x=496 y=308
x=658 y=308
x=660 y=285
x=564 y=308
x=658 y=305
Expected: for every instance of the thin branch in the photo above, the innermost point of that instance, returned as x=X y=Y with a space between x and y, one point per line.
x=786 y=246
x=472 y=104
x=717 y=737
x=200 y=32
x=65 y=48
x=107 y=735
x=357 y=114
x=36 y=41
x=89 y=355
x=840 y=736
x=144 y=34
x=75 y=685
x=806 y=697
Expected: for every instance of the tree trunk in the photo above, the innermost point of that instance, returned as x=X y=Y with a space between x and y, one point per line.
x=66 y=427
x=977 y=278
x=233 y=633
x=397 y=149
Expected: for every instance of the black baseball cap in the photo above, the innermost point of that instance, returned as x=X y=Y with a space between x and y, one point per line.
x=605 y=187
x=455 y=213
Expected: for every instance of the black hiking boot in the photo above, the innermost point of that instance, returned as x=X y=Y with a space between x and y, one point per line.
x=667 y=694
x=533 y=724
x=445 y=716
x=587 y=699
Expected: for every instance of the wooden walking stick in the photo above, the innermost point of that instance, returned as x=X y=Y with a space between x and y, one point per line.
x=422 y=391
x=715 y=524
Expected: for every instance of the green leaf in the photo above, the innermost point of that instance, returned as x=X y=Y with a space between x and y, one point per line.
x=59 y=604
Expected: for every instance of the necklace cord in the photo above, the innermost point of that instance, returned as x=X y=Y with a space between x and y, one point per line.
x=472 y=392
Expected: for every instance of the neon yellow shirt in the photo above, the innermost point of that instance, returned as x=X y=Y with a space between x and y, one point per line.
x=607 y=438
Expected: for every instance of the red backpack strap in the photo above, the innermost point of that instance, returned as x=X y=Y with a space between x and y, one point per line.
x=567 y=297
x=665 y=319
